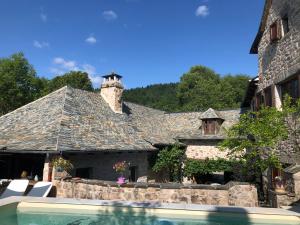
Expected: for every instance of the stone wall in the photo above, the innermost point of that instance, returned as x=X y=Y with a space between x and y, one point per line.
x=204 y=149
x=101 y=164
x=234 y=194
x=280 y=59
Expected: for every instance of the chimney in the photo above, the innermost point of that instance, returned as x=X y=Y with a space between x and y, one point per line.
x=111 y=91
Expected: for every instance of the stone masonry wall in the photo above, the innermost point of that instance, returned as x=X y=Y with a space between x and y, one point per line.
x=203 y=150
x=101 y=164
x=235 y=194
x=281 y=59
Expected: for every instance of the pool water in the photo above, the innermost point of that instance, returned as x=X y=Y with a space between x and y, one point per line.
x=118 y=219
x=12 y=216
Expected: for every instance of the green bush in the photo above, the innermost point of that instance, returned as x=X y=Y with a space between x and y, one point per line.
x=195 y=168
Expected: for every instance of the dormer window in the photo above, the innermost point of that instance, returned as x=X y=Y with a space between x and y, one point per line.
x=211 y=122
x=210 y=127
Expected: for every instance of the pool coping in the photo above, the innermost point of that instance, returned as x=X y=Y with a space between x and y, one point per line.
x=154 y=205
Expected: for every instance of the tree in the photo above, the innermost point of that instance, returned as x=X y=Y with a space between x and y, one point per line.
x=158 y=96
x=170 y=159
x=19 y=84
x=255 y=137
x=75 y=79
x=199 y=89
x=233 y=90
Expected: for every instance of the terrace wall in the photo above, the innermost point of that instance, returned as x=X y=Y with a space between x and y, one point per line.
x=233 y=194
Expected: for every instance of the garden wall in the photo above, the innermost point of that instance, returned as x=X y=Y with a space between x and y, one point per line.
x=233 y=193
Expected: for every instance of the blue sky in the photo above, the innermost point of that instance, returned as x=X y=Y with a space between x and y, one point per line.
x=146 y=41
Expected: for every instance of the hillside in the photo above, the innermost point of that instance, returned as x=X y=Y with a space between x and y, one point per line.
x=199 y=89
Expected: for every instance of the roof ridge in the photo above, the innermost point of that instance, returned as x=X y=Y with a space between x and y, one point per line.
x=37 y=100
x=148 y=107
x=61 y=118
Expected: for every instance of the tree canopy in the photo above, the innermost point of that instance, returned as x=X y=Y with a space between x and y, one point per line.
x=198 y=89
x=255 y=138
x=19 y=84
x=75 y=79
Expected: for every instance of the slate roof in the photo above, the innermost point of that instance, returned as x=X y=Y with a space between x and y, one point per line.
x=210 y=114
x=262 y=27
x=72 y=119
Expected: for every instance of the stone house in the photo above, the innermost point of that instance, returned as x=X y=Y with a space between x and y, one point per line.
x=277 y=45
x=95 y=130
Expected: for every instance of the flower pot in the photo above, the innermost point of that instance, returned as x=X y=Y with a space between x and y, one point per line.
x=121 y=180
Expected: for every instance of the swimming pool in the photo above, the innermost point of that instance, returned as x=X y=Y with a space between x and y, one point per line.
x=84 y=212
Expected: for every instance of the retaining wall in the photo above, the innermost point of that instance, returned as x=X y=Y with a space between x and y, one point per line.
x=233 y=193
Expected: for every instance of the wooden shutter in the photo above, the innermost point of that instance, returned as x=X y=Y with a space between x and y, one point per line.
x=275 y=31
x=209 y=126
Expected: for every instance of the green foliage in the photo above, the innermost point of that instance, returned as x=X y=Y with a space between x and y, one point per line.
x=62 y=164
x=258 y=133
x=19 y=84
x=198 y=89
x=75 y=79
x=194 y=167
x=158 y=96
x=170 y=159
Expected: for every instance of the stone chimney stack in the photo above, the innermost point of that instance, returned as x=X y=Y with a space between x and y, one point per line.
x=112 y=90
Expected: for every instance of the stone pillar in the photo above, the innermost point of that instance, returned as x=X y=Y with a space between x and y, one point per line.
x=276 y=97
x=296 y=178
x=47 y=169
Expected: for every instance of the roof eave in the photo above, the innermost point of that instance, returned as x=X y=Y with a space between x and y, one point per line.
x=262 y=26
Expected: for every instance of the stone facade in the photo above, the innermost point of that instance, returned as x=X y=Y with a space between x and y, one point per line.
x=204 y=149
x=279 y=63
x=101 y=164
x=280 y=59
x=234 y=194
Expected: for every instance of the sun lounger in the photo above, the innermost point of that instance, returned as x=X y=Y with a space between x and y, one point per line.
x=40 y=189
x=15 y=188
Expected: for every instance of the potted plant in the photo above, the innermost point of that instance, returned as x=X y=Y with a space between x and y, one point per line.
x=120 y=168
x=62 y=166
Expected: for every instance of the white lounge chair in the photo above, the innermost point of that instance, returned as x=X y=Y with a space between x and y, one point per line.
x=40 y=189
x=15 y=188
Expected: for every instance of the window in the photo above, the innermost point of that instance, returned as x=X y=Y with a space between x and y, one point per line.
x=260 y=101
x=209 y=126
x=285 y=25
x=291 y=88
x=268 y=97
x=133 y=173
x=275 y=32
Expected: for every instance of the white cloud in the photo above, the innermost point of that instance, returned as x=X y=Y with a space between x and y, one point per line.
x=43 y=17
x=65 y=64
x=42 y=44
x=62 y=66
x=202 y=11
x=91 y=70
x=91 y=40
x=109 y=15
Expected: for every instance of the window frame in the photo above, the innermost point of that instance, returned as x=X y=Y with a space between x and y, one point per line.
x=275 y=31
x=287 y=85
x=285 y=24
